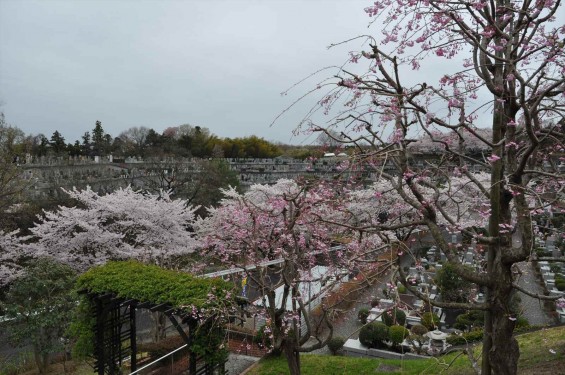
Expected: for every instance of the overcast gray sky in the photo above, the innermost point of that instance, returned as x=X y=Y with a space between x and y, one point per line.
x=217 y=64
x=158 y=63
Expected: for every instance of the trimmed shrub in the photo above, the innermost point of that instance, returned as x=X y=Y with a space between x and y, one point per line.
x=473 y=336
x=394 y=316
x=560 y=285
x=375 y=302
x=469 y=320
x=456 y=340
x=335 y=344
x=397 y=334
x=430 y=321
x=419 y=330
x=363 y=314
x=373 y=335
x=401 y=289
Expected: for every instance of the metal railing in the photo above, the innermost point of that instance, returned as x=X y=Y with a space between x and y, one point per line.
x=138 y=371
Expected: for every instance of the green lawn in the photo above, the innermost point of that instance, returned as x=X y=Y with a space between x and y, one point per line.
x=536 y=348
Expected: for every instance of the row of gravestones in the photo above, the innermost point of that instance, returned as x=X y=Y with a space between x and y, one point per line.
x=550 y=271
x=435 y=258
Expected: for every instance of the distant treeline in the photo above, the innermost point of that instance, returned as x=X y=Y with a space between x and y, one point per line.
x=183 y=141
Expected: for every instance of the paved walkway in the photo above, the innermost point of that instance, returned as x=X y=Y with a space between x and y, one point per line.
x=348 y=326
x=532 y=308
x=238 y=363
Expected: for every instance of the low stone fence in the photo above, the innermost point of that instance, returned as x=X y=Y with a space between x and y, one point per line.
x=353 y=348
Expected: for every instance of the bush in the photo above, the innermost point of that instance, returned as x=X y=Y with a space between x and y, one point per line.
x=208 y=343
x=401 y=289
x=395 y=316
x=419 y=330
x=469 y=320
x=555 y=268
x=430 y=321
x=522 y=322
x=473 y=336
x=397 y=334
x=456 y=340
x=363 y=314
x=335 y=344
x=375 y=302
x=373 y=335
x=560 y=285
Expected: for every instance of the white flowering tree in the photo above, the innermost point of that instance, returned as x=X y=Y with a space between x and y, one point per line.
x=12 y=257
x=121 y=225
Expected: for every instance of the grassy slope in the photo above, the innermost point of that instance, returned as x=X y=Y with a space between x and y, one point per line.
x=536 y=358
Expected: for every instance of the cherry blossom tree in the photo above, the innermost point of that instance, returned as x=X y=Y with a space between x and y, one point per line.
x=502 y=67
x=12 y=256
x=279 y=226
x=121 y=225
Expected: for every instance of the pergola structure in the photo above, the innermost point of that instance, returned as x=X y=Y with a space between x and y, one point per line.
x=115 y=328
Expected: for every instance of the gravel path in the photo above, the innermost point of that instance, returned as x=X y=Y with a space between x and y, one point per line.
x=532 y=308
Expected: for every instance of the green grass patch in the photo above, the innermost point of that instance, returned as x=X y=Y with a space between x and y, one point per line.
x=540 y=347
x=338 y=365
x=545 y=347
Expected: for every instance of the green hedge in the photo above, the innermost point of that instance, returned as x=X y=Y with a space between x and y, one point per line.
x=149 y=283
x=152 y=284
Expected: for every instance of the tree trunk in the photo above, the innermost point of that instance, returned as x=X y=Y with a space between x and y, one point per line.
x=159 y=329
x=504 y=352
x=292 y=357
x=42 y=360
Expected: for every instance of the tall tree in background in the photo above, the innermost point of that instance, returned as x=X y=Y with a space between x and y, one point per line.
x=198 y=181
x=134 y=139
x=99 y=145
x=503 y=55
x=86 y=144
x=11 y=182
x=57 y=143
